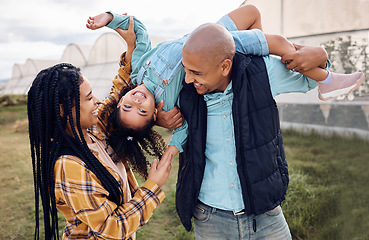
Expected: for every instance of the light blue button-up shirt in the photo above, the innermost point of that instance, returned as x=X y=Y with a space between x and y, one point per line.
x=221 y=186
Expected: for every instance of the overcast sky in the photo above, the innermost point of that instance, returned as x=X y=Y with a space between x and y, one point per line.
x=41 y=29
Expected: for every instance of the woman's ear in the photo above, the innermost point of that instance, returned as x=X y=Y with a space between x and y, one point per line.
x=120 y=102
x=61 y=111
x=155 y=114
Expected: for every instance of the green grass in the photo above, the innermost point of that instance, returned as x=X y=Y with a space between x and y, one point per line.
x=328 y=195
x=327 y=198
x=16 y=183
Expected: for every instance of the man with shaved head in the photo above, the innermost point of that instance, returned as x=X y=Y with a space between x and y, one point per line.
x=233 y=174
x=209 y=48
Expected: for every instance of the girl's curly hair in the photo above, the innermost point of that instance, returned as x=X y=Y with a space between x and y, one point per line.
x=130 y=145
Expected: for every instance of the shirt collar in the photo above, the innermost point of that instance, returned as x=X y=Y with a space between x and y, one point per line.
x=96 y=131
x=210 y=96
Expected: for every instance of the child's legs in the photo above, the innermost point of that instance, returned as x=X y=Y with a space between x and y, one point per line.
x=228 y=23
x=317 y=74
x=246 y=17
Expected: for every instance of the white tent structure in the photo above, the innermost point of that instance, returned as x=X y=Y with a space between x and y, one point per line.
x=23 y=75
x=102 y=62
x=76 y=54
x=98 y=63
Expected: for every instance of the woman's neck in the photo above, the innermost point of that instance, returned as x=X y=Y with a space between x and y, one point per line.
x=84 y=132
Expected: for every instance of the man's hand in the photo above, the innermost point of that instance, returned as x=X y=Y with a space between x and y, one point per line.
x=305 y=58
x=171 y=120
x=99 y=21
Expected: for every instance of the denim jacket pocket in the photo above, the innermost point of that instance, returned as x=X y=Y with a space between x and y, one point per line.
x=167 y=61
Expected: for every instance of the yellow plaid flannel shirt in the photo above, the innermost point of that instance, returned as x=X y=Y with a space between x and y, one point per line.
x=82 y=199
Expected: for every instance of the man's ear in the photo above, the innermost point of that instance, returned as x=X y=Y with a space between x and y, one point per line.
x=226 y=66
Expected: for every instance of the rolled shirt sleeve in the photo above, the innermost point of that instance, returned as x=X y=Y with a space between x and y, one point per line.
x=179 y=136
x=246 y=41
x=251 y=42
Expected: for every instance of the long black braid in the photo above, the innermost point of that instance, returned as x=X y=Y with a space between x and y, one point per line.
x=130 y=144
x=55 y=88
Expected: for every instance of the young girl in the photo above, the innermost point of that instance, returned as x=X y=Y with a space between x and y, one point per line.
x=75 y=169
x=159 y=71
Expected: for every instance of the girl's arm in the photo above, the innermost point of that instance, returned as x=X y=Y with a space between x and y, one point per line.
x=114 y=21
x=170 y=152
x=122 y=79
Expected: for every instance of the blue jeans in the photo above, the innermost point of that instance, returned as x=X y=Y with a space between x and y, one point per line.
x=212 y=223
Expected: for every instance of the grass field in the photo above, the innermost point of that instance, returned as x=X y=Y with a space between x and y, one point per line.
x=328 y=195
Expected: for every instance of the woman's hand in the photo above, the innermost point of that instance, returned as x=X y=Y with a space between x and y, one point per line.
x=130 y=37
x=159 y=172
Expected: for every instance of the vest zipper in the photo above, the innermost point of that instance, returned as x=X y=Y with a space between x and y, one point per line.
x=251 y=202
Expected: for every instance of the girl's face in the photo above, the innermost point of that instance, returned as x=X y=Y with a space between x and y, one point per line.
x=137 y=108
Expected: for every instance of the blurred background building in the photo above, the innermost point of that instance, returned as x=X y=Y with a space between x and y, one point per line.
x=340 y=26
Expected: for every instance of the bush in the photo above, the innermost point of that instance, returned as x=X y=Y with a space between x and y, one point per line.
x=13 y=100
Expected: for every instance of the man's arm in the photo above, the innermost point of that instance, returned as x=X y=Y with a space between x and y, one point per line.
x=283 y=80
x=171 y=119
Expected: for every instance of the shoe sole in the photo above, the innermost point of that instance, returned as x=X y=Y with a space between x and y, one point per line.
x=347 y=90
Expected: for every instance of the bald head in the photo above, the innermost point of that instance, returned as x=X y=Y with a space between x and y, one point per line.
x=211 y=41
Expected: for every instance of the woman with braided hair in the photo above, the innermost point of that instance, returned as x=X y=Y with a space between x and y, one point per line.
x=76 y=171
